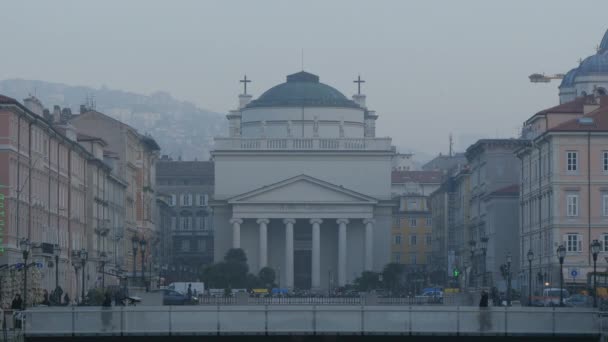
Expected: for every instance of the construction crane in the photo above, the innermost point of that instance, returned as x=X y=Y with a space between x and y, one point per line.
x=542 y=78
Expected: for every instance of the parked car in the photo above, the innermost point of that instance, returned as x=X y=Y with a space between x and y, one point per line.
x=433 y=296
x=577 y=300
x=171 y=297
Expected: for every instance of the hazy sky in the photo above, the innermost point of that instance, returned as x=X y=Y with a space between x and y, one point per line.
x=432 y=67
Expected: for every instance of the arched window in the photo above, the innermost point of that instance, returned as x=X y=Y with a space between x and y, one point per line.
x=201 y=220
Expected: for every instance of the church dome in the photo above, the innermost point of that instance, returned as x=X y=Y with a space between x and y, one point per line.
x=595 y=64
x=568 y=80
x=302 y=89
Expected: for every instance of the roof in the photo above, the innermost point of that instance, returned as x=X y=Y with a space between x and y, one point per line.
x=604 y=43
x=302 y=89
x=84 y=137
x=8 y=100
x=573 y=107
x=416 y=176
x=510 y=190
x=480 y=145
x=595 y=121
x=193 y=169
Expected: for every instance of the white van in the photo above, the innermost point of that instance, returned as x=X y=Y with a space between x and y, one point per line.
x=551 y=296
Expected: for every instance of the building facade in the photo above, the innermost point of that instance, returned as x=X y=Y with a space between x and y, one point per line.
x=134 y=158
x=563 y=191
x=493 y=225
x=188 y=243
x=303 y=186
x=43 y=173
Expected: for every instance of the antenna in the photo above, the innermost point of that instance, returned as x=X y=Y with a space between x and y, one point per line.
x=451 y=144
x=302 y=59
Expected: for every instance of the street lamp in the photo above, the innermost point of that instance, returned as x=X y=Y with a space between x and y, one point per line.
x=595 y=249
x=530 y=256
x=57 y=252
x=484 y=249
x=84 y=255
x=509 y=259
x=561 y=254
x=102 y=260
x=134 y=245
x=472 y=244
x=142 y=244
x=25 y=245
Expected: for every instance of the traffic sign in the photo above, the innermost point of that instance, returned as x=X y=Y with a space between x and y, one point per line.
x=573 y=272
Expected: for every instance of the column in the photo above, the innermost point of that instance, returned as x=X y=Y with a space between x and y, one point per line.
x=369 y=244
x=236 y=232
x=289 y=252
x=342 y=251
x=316 y=253
x=263 y=242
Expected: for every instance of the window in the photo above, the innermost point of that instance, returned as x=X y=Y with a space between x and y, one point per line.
x=412 y=205
x=413 y=258
x=413 y=240
x=574 y=243
x=173 y=200
x=605 y=204
x=186 y=223
x=202 y=245
x=572 y=161
x=189 y=200
x=396 y=222
x=201 y=200
x=604 y=241
x=572 y=205
x=413 y=222
x=173 y=222
x=429 y=221
x=182 y=200
x=397 y=257
x=605 y=161
x=185 y=245
x=429 y=239
x=397 y=239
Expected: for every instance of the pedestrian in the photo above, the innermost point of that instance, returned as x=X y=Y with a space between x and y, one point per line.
x=189 y=292
x=483 y=302
x=17 y=303
x=106 y=313
x=66 y=299
x=45 y=298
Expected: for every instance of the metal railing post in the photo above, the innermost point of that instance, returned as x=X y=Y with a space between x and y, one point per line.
x=314 y=319
x=73 y=322
x=122 y=321
x=458 y=320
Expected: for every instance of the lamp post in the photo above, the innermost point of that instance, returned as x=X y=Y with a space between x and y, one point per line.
x=142 y=244
x=102 y=261
x=57 y=252
x=595 y=249
x=530 y=256
x=509 y=259
x=83 y=254
x=465 y=265
x=134 y=245
x=472 y=244
x=561 y=254
x=484 y=248
x=25 y=245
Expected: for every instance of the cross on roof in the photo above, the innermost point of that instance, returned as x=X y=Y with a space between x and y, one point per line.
x=245 y=81
x=359 y=81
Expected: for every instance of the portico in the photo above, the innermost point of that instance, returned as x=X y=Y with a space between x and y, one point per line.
x=317 y=206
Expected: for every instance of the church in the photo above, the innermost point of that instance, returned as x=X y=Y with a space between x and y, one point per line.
x=303 y=185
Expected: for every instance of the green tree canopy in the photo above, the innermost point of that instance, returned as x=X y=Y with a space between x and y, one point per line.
x=368 y=281
x=267 y=276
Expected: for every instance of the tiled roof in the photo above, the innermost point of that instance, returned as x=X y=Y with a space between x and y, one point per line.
x=595 y=121
x=511 y=190
x=573 y=107
x=193 y=169
x=416 y=176
x=7 y=100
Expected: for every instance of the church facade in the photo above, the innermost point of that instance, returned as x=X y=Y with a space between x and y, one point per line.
x=303 y=185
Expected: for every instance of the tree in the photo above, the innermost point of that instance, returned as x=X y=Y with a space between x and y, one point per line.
x=368 y=281
x=232 y=272
x=267 y=276
x=253 y=282
x=392 y=276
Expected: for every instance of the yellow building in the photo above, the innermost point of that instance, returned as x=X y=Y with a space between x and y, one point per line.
x=411 y=240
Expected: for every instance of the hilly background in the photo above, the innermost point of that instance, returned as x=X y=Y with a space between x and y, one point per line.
x=179 y=127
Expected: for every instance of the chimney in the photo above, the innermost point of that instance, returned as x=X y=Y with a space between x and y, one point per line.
x=34 y=105
x=47 y=115
x=591 y=104
x=83 y=109
x=56 y=113
x=66 y=114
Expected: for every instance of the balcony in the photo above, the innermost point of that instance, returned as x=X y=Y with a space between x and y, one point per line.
x=300 y=144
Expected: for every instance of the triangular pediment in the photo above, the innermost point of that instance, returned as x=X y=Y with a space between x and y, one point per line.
x=302 y=189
